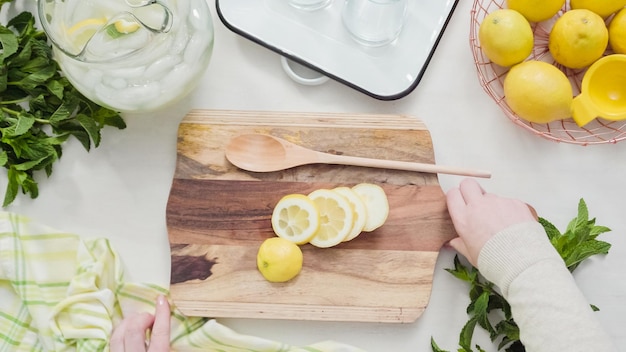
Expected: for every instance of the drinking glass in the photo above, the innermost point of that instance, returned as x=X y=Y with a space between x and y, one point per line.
x=374 y=22
x=309 y=5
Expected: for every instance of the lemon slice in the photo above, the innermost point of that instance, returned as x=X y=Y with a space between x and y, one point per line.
x=295 y=218
x=80 y=33
x=376 y=203
x=336 y=218
x=358 y=208
x=126 y=27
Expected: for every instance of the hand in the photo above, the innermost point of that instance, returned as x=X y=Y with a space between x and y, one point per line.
x=477 y=216
x=130 y=335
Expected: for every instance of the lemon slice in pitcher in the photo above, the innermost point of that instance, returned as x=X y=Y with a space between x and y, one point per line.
x=125 y=26
x=80 y=33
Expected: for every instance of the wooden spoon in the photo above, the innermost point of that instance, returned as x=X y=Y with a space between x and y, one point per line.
x=265 y=153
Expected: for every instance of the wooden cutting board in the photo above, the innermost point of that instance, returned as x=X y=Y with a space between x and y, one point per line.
x=218 y=215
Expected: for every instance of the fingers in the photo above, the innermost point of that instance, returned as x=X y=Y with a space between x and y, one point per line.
x=459 y=245
x=455 y=202
x=533 y=212
x=135 y=337
x=160 y=337
x=130 y=334
x=471 y=190
x=117 y=338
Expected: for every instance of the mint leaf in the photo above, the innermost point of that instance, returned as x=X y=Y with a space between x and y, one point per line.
x=8 y=41
x=39 y=108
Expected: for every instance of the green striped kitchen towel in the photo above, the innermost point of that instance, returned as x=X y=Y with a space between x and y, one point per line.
x=59 y=292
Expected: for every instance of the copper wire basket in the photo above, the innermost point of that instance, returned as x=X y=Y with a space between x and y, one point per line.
x=491 y=78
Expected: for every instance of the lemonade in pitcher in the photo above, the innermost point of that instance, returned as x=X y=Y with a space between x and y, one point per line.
x=130 y=55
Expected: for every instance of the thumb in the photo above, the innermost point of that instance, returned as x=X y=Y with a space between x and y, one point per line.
x=459 y=245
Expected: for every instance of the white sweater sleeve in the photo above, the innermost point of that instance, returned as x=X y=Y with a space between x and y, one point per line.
x=550 y=310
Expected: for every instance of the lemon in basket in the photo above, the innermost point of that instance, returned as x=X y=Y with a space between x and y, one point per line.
x=604 y=8
x=617 y=32
x=538 y=92
x=578 y=38
x=506 y=37
x=536 y=10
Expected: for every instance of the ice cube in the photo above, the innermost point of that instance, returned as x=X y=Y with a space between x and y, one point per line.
x=158 y=68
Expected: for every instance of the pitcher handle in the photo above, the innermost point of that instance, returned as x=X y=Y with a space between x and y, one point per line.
x=168 y=18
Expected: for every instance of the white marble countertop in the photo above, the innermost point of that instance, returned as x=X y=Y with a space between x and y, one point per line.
x=120 y=189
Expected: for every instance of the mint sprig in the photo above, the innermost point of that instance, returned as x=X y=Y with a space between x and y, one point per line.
x=39 y=108
x=578 y=243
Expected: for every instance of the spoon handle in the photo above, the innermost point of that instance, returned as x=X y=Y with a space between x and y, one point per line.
x=400 y=165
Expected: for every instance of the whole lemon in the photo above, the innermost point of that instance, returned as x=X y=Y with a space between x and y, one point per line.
x=536 y=10
x=578 y=38
x=604 y=8
x=279 y=260
x=538 y=92
x=617 y=32
x=506 y=37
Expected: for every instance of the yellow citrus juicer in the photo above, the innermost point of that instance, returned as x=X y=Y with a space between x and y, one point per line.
x=603 y=91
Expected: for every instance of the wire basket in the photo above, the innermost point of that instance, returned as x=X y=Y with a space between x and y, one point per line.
x=491 y=78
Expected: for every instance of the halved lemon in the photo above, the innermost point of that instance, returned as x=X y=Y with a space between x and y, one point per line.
x=376 y=204
x=358 y=208
x=295 y=218
x=336 y=218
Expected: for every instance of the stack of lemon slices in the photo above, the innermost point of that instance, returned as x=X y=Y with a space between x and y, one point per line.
x=328 y=217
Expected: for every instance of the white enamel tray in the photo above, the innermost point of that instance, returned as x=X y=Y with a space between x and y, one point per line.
x=318 y=40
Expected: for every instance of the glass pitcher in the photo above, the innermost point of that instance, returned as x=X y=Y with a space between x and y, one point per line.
x=130 y=55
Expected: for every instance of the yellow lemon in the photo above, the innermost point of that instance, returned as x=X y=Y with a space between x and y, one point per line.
x=578 y=38
x=617 y=32
x=80 y=33
x=358 y=208
x=295 y=218
x=538 y=92
x=506 y=37
x=376 y=203
x=336 y=218
x=279 y=260
x=536 y=10
x=604 y=8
